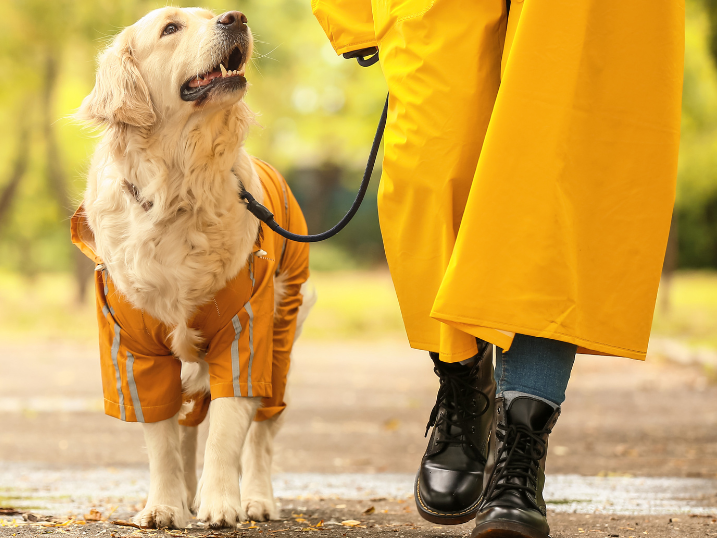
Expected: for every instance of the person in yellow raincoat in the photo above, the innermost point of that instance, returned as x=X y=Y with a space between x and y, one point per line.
x=527 y=189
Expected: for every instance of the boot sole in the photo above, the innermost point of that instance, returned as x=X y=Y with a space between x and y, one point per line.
x=438 y=517
x=505 y=529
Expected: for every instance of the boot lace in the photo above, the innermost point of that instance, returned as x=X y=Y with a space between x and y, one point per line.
x=459 y=397
x=517 y=465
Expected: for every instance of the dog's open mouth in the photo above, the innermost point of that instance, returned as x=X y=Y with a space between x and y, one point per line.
x=228 y=74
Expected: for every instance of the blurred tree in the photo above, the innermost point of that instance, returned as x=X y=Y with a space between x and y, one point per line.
x=19 y=167
x=711 y=7
x=315 y=111
x=696 y=206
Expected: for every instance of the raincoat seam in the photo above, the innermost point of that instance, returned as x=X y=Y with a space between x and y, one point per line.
x=244 y=386
x=146 y=407
x=409 y=17
x=360 y=43
x=520 y=330
x=453 y=354
x=350 y=46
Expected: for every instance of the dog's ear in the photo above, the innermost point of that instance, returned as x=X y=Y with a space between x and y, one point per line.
x=120 y=95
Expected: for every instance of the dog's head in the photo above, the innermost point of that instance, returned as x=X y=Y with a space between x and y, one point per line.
x=170 y=64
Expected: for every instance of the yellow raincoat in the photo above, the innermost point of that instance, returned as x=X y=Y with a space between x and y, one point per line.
x=530 y=163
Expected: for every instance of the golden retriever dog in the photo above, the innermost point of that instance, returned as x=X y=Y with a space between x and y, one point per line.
x=175 y=244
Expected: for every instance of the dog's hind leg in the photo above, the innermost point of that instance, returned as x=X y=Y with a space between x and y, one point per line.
x=219 y=496
x=257 y=492
x=167 y=501
x=188 y=444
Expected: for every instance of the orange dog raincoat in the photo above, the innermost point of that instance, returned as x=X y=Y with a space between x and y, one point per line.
x=247 y=347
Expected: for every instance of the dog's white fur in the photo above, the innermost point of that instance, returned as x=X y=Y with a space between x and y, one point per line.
x=187 y=160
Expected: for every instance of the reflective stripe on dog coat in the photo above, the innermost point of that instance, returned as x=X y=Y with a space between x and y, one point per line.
x=247 y=346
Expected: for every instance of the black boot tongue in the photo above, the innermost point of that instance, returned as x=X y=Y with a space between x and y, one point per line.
x=530 y=412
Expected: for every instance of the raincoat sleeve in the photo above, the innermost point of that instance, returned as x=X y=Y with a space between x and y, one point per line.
x=347 y=23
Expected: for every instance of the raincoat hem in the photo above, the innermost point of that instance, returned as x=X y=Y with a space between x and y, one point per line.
x=356 y=46
x=445 y=357
x=266 y=413
x=477 y=327
x=153 y=413
x=226 y=390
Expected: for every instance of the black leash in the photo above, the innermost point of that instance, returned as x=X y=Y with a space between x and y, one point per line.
x=365 y=58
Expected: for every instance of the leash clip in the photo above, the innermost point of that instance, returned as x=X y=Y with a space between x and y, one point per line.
x=255 y=208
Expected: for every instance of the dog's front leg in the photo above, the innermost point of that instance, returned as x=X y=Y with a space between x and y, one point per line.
x=167 y=502
x=257 y=492
x=218 y=496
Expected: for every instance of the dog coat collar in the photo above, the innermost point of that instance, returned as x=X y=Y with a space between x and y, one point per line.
x=134 y=191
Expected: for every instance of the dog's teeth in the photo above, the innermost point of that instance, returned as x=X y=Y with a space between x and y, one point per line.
x=224 y=71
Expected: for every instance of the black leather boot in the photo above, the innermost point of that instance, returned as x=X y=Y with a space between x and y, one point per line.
x=450 y=480
x=512 y=504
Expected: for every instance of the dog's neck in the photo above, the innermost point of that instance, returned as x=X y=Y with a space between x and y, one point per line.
x=189 y=165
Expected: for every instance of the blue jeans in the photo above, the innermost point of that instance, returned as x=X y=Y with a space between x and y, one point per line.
x=536 y=366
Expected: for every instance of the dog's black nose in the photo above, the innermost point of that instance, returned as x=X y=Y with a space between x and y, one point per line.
x=232 y=18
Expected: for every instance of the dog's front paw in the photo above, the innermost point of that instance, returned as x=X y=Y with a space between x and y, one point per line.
x=220 y=510
x=159 y=516
x=260 y=509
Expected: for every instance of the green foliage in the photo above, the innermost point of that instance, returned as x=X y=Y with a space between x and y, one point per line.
x=697 y=179
x=692 y=314
x=314 y=109
x=313 y=106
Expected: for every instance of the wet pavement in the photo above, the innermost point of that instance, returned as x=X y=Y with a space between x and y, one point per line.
x=636 y=443
x=66 y=492
x=371 y=518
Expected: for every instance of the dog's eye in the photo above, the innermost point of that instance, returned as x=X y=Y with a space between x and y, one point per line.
x=171 y=28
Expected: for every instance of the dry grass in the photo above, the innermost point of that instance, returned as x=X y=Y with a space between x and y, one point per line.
x=690 y=313
x=353 y=304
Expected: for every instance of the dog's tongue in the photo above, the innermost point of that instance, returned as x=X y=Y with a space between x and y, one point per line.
x=199 y=82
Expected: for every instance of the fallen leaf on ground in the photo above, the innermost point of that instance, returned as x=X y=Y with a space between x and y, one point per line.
x=33 y=518
x=8 y=511
x=369 y=510
x=391 y=424
x=123 y=523
x=94 y=515
x=350 y=523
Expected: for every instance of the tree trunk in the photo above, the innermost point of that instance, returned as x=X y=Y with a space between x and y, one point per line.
x=56 y=174
x=18 y=170
x=711 y=7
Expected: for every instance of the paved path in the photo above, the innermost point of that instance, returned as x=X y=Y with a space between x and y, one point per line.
x=359 y=407
x=357 y=412
x=75 y=491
